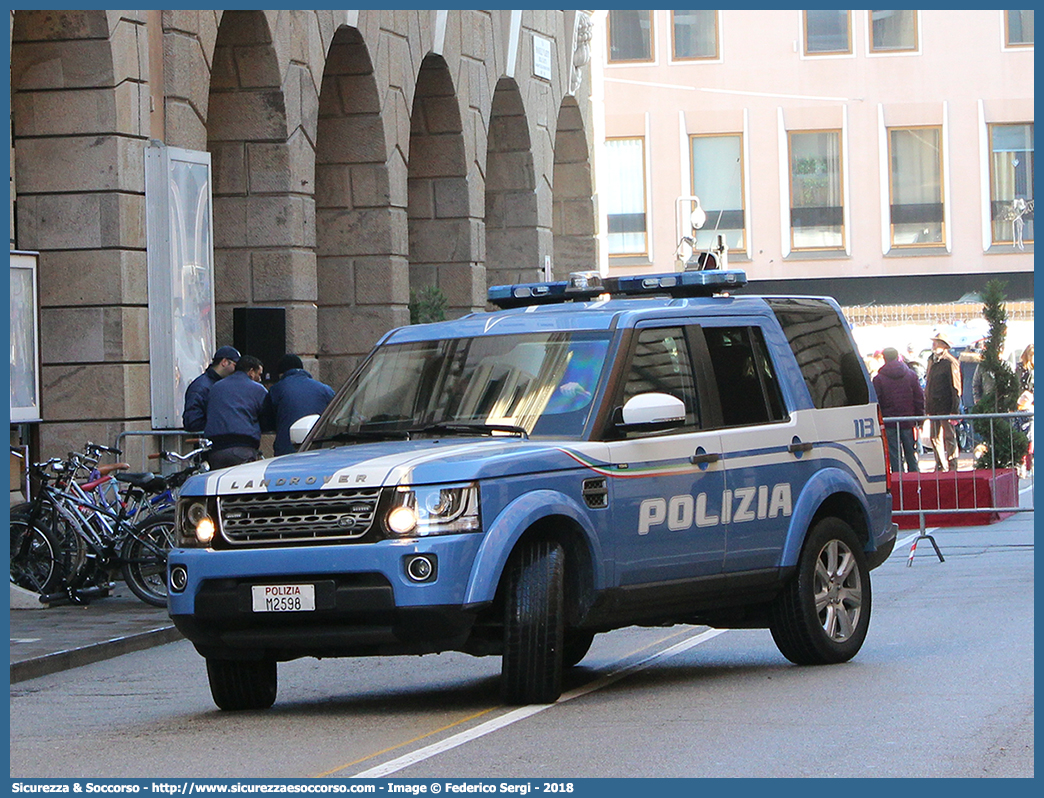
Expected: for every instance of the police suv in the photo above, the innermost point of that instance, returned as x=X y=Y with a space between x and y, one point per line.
x=597 y=454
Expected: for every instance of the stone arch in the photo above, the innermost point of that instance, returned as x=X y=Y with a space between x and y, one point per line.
x=445 y=240
x=512 y=237
x=362 y=272
x=77 y=129
x=573 y=221
x=263 y=210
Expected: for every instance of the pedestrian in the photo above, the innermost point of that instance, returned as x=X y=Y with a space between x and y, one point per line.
x=1024 y=371
x=296 y=394
x=899 y=394
x=942 y=397
x=237 y=414
x=194 y=416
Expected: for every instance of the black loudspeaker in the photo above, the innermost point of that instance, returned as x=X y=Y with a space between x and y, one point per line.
x=260 y=332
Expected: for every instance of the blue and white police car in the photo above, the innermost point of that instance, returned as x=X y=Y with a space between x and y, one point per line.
x=597 y=454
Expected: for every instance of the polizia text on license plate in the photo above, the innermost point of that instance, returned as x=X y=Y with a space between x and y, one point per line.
x=283 y=598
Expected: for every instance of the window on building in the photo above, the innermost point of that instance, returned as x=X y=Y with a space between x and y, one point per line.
x=1011 y=182
x=828 y=32
x=695 y=34
x=625 y=196
x=630 y=35
x=915 y=178
x=893 y=31
x=1018 y=27
x=816 y=204
x=717 y=179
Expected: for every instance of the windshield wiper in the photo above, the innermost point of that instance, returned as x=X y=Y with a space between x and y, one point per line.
x=463 y=428
x=364 y=435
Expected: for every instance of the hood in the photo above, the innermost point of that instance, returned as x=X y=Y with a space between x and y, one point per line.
x=396 y=463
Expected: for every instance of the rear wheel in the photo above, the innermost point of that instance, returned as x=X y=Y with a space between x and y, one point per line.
x=534 y=625
x=35 y=555
x=144 y=558
x=239 y=684
x=822 y=615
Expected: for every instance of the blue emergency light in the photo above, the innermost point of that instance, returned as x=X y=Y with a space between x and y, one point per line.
x=584 y=286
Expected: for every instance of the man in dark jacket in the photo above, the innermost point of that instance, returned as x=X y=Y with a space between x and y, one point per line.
x=237 y=414
x=899 y=394
x=296 y=395
x=942 y=397
x=194 y=416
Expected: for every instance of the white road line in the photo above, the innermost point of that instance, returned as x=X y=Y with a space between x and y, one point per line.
x=404 y=761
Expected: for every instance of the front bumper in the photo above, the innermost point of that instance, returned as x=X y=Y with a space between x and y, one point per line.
x=365 y=603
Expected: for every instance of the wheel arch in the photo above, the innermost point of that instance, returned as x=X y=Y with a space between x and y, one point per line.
x=540 y=515
x=831 y=493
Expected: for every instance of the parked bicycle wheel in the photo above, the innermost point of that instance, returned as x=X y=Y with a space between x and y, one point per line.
x=35 y=555
x=144 y=558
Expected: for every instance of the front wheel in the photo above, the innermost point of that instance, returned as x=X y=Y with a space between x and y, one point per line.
x=144 y=558
x=240 y=684
x=35 y=555
x=534 y=625
x=822 y=615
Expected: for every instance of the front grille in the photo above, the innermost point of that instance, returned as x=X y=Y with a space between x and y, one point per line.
x=302 y=517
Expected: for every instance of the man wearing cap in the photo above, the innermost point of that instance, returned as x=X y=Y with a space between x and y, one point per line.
x=296 y=395
x=942 y=397
x=194 y=416
x=237 y=415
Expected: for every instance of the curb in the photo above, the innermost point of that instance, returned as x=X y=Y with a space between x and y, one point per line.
x=85 y=655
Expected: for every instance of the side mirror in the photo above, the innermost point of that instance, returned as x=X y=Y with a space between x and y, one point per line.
x=299 y=429
x=653 y=410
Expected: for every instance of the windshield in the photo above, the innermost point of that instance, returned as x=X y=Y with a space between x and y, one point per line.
x=537 y=384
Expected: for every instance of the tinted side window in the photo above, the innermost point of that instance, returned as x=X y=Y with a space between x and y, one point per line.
x=661 y=363
x=830 y=366
x=747 y=383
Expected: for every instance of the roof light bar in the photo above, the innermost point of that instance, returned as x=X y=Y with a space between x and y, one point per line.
x=588 y=285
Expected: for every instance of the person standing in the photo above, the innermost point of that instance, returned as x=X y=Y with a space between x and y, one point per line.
x=899 y=394
x=237 y=414
x=942 y=397
x=194 y=416
x=295 y=395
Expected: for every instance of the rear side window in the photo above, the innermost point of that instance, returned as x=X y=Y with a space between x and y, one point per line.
x=832 y=369
x=747 y=384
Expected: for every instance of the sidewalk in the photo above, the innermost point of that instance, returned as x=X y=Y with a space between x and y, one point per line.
x=54 y=639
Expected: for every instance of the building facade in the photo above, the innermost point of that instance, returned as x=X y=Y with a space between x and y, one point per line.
x=876 y=156
x=356 y=157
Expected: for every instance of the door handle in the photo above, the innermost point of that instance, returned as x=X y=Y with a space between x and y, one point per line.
x=799 y=447
x=704 y=458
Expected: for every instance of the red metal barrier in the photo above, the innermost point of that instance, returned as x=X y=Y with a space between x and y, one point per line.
x=973 y=498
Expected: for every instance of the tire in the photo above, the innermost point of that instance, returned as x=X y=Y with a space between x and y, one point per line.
x=237 y=685
x=144 y=558
x=36 y=559
x=577 y=644
x=534 y=625
x=822 y=615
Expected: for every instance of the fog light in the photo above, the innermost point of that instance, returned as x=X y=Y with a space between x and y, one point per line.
x=421 y=567
x=178 y=578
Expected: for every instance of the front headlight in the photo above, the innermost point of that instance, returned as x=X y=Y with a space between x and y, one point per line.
x=422 y=510
x=195 y=522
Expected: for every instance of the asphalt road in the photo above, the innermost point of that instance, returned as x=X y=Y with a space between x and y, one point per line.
x=943 y=687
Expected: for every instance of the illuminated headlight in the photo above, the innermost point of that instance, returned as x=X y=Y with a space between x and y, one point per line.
x=196 y=526
x=434 y=510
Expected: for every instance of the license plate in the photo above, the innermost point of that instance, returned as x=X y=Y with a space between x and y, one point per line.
x=283 y=598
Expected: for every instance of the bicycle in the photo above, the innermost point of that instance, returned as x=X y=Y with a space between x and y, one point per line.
x=66 y=542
